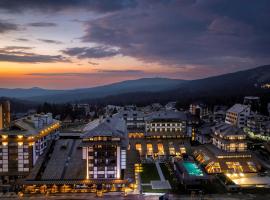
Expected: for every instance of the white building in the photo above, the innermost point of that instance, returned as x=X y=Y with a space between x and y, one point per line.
x=135 y=120
x=22 y=144
x=237 y=115
x=104 y=150
x=166 y=124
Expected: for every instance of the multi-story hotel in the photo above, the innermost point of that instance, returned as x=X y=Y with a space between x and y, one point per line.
x=164 y=135
x=237 y=115
x=22 y=144
x=229 y=138
x=228 y=151
x=4 y=115
x=166 y=124
x=104 y=150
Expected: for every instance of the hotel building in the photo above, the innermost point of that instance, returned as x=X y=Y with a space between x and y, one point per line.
x=237 y=115
x=22 y=144
x=166 y=124
x=104 y=150
x=228 y=151
x=165 y=135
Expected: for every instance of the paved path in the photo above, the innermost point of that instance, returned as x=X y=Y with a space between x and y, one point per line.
x=161 y=176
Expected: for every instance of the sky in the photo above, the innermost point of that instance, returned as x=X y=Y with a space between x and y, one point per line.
x=84 y=43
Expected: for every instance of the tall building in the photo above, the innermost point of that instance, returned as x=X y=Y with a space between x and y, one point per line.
x=104 y=150
x=237 y=115
x=253 y=102
x=4 y=115
x=22 y=144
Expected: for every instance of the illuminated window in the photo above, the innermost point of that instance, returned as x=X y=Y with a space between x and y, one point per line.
x=149 y=149
x=160 y=149
x=139 y=147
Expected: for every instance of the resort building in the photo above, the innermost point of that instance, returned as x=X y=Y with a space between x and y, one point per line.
x=22 y=144
x=237 y=115
x=4 y=115
x=166 y=124
x=104 y=150
x=165 y=135
x=228 y=151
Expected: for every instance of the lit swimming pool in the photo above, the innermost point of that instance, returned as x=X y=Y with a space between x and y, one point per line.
x=192 y=169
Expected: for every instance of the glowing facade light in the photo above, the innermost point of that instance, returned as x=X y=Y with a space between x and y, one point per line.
x=4 y=137
x=20 y=136
x=20 y=143
x=4 y=143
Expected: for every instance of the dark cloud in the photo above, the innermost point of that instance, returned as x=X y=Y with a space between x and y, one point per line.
x=16 y=48
x=22 y=40
x=42 y=24
x=92 y=52
x=57 y=5
x=6 y=27
x=93 y=63
x=180 y=33
x=50 y=41
x=98 y=72
x=19 y=54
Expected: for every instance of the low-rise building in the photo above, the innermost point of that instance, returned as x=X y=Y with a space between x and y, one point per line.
x=171 y=105
x=253 y=102
x=199 y=109
x=258 y=127
x=228 y=152
x=135 y=120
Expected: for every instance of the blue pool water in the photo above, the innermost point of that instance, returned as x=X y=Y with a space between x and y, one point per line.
x=192 y=169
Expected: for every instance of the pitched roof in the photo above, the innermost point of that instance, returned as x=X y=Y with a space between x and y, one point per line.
x=111 y=126
x=237 y=108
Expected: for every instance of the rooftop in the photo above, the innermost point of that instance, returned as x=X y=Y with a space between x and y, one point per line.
x=227 y=130
x=166 y=115
x=238 y=108
x=111 y=126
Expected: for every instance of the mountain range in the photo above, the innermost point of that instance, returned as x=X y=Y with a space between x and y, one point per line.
x=147 y=90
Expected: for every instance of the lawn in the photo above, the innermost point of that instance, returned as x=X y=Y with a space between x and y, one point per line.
x=149 y=173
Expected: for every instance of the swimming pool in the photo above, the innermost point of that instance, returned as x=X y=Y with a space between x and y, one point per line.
x=192 y=169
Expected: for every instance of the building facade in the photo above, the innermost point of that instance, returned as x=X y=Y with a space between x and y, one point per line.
x=21 y=145
x=198 y=109
x=104 y=150
x=166 y=124
x=228 y=152
x=237 y=115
